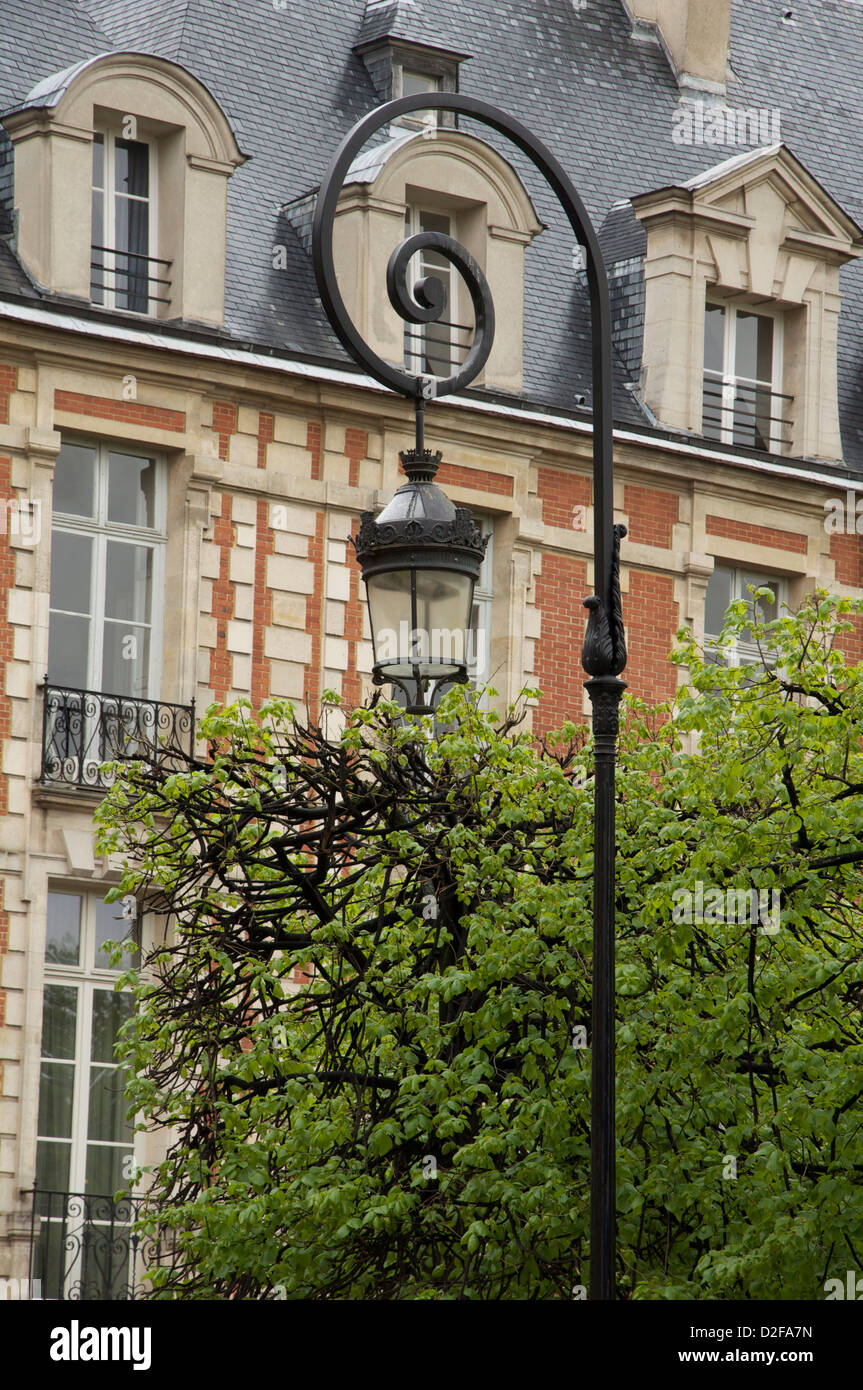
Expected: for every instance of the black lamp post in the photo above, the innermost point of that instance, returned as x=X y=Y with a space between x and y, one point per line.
x=421 y=557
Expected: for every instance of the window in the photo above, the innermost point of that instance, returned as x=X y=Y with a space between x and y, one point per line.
x=84 y=1148
x=725 y=586
x=413 y=83
x=439 y=348
x=123 y=270
x=107 y=564
x=742 y=398
x=83 y=1137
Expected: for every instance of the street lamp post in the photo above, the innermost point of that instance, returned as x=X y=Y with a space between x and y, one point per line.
x=404 y=542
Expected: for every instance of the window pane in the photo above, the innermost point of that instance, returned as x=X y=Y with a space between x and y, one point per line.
x=52 y=1166
x=714 y=338
x=132 y=168
x=754 y=352
x=131 y=234
x=131 y=489
x=111 y=925
x=125 y=668
x=110 y=1009
x=767 y=610
x=74 y=476
x=108 y=1105
x=717 y=600
x=56 y=1087
x=63 y=932
x=105 y=1170
x=128 y=586
x=98 y=161
x=71 y=564
x=59 y=1016
x=415 y=82
x=68 y=641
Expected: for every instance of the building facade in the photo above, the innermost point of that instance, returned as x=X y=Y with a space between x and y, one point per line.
x=185 y=451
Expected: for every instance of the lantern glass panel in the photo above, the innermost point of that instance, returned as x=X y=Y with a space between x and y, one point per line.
x=420 y=617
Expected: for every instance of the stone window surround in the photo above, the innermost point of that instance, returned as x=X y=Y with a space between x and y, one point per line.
x=52 y=134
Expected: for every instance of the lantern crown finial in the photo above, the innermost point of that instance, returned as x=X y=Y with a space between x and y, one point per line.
x=420 y=465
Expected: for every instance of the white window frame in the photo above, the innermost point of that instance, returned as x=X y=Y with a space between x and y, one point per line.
x=87 y=978
x=743 y=653
x=109 y=221
x=101 y=530
x=729 y=381
x=414 y=358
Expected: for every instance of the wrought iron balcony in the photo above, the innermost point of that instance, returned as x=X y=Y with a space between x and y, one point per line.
x=128 y=279
x=82 y=729
x=746 y=413
x=84 y=1247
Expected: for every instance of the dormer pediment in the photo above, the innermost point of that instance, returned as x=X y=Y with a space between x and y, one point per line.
x=765 y=198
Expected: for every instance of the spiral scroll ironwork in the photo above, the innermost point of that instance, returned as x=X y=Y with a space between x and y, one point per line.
x=425 y=297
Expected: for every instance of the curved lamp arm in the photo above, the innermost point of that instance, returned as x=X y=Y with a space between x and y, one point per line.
x=604 y=653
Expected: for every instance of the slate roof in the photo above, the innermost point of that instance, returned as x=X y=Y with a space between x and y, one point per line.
x=291 y=84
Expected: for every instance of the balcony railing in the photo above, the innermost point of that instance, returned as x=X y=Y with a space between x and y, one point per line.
x=84 y=1247
x=82 y=729
x=744 y=413
x=133 y=281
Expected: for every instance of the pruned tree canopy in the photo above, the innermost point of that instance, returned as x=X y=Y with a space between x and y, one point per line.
x=367 y=1032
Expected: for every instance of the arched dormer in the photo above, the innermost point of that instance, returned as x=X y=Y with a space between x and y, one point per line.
x=121 y=167
x=440 y=180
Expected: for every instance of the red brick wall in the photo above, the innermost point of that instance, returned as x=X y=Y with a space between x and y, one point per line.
x=846 y=551
x=756 y=535
x=356 y=447
x=652 y=618
x=314 y=445
x=561 y=493
x=651 y=512
x=477 y=478
x=8 y=384
x=557 y=666
x=155 y=417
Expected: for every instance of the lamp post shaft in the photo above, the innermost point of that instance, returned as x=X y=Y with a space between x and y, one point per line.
x=605 y=693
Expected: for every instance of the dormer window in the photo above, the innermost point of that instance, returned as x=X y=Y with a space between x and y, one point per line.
x=743 y=402
x=121 y=165
x=123 y=268
x=742 y=302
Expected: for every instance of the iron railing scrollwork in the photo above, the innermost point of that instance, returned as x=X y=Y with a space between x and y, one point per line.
x=85 y=1247
x=83 y=729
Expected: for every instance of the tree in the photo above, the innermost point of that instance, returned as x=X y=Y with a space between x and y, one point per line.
x=369 y=1034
